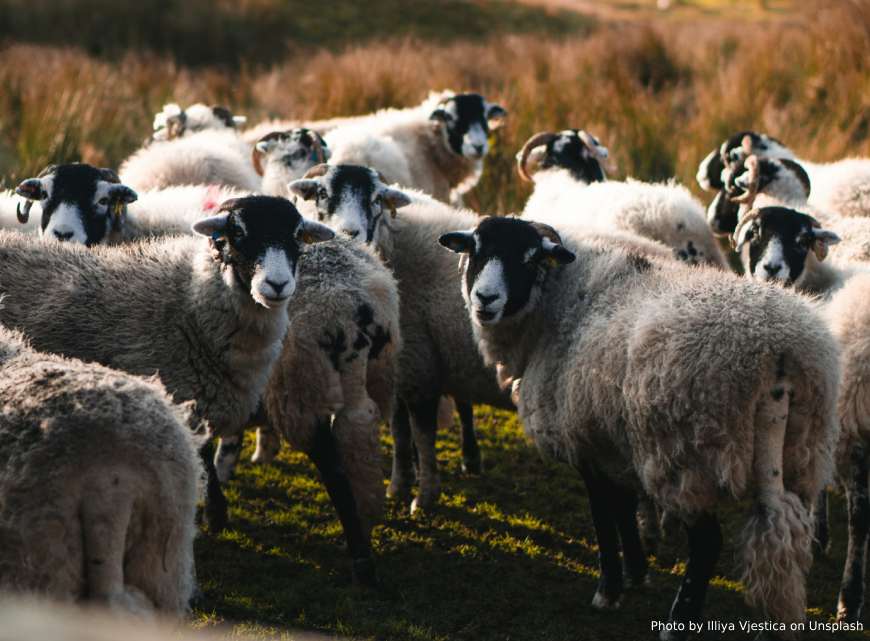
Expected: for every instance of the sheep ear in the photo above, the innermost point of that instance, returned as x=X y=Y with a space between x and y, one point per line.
x=556 y=254
x=239 y=120
x=32 y=189
x=461 y=242
x=304 y=187
x=495 y=115
x=311 y=232
x=265 y=146
x=123 y=194
x=822 y=240
x=211 y=226
x=395 y=199
x=709 y=174
x=440 y=115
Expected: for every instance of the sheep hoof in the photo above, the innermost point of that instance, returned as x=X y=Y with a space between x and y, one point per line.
x=602 y=602
x=364 y=572
x=847 y=615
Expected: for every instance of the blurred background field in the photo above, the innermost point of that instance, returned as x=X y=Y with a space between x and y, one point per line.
x=510 y=555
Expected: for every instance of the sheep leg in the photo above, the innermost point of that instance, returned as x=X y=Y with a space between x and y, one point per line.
x=633 y=555
x=705 y=544
x=215 y=501
x=226 y=457
x=649 y=524
x=609 y=591
x=268 y=439
x=424 y=422
x=851 y=601
x=324 y=454
x=471 y=463
x=403 y=467
x=820 y=517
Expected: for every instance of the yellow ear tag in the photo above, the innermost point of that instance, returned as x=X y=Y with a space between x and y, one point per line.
x=307 y=238
x=118 y=209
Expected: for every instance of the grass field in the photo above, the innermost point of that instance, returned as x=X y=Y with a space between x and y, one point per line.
x=510 y=555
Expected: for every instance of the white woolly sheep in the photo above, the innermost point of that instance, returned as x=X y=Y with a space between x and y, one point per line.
x=175 y=122
x=630 y=371
x=209 y=317
x=842 y=186
x=788 y=247
x=570 y=189
x=99 y=478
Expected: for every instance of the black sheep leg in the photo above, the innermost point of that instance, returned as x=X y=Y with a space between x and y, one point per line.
x=402 y=478
x=470 y=450
x=325 y=457
x=601 y=503
x=633 y=554
x=820 y=516
x=705 y=544
x=215 y=501
x=851 y=601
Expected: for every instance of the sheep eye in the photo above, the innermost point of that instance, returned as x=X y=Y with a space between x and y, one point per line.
x=104 y=201
x=321 y=194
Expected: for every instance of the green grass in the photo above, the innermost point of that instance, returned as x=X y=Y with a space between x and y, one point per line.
x=510 y=556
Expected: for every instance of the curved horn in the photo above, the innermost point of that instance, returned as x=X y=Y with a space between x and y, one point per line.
x=318 y=148
x=597 y=150
x=752 y=178
x=545 y=231
x=540 y=138
x=23 y=215
x=748 y=218
x=256 y=159
x=317 y=170
x=746 y=144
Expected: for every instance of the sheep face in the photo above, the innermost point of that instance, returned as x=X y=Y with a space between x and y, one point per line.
x=283 y=156
x=466 y=121
x=732 y=151
x=506 y=260
x=80 y=203
x=780 y=244
x=578 y=152
x=258 y=241
x=174 y=122
x=351 y=199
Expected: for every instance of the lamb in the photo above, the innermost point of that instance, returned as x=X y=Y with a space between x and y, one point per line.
x=99 y=484
x=789 y=247
x=203 y=158
x=842 y=187
x=209 y=317
x=175 y=122
x=571 y=190
x=85 y=204
x=617 y=356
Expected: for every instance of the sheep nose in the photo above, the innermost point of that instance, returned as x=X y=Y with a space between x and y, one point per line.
x=479 y=149
x=278 y=287
x=772 y=268
x=63 y=235
x=486 y=300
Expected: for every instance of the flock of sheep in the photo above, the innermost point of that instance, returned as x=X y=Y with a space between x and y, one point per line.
x=295 y=278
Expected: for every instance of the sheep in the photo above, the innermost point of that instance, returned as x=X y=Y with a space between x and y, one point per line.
x=209 y=317
x=629 y=370
x=283 y=156
x=788 y=247
x=175 y=122
x=85 y=204
x=842 y=187
x=571 y=189
x=438 y=356
x=206 y=157
x=99 y=484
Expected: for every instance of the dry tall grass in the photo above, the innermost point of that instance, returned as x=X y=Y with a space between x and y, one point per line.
x=660 y=96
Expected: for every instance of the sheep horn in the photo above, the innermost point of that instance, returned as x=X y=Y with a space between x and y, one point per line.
x=317 y=170
x=23 y=215
x=752 y=179
x=540 y=138
x=746 y=144
x=597 y=150
x=318 y=148
x=545 y=231
x=748 y=218
x=256 y=158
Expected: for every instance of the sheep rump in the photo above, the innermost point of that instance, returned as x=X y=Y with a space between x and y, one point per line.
x=99 y=478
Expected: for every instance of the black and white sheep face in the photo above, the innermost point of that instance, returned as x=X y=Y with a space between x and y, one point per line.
x=351 y=199
x=467 y=120
x=287 y=155
x=722 y=214
x=779 y=244
x=506 y=262
x=258 y=240
x=80 y=203
x=577 y=151
x=733 y=151
x=174 y=122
